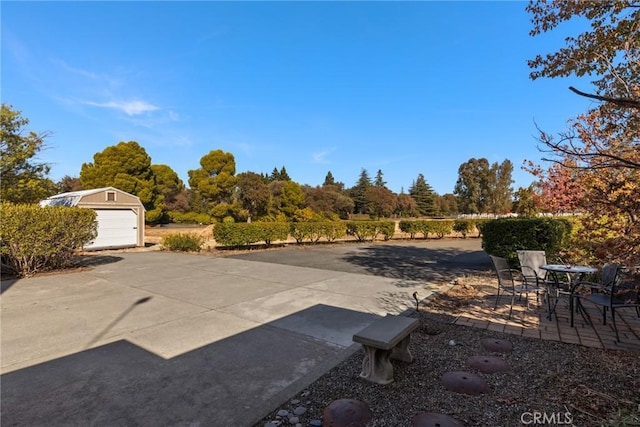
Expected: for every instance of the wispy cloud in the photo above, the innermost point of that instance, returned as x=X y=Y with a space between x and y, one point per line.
x=321 y=156
x=74 y=70
x=130 y=108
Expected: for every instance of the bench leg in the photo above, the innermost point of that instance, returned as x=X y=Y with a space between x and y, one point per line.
x=376 y=366
x=401 y=351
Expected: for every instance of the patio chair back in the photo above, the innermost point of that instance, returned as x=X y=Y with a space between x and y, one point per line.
x=530 y=263
x=504 y=272
x=609 y=275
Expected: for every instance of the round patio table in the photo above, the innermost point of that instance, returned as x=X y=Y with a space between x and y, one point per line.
x=576 y=274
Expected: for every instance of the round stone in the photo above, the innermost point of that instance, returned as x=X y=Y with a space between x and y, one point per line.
x=431 y=419
x=488 y=364
x=465 y=383
x=497 y=345
x=346 y=413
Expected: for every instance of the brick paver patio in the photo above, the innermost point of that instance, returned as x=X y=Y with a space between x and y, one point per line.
x=534 y=323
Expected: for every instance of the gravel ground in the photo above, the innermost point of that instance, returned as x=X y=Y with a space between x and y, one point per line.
x=577 y=385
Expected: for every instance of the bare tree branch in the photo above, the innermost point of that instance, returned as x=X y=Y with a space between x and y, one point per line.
x=623 y=102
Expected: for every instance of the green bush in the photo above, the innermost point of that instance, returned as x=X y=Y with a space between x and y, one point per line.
x=34 y=239
x=272 y=231
x=185 y=242
x=306 y=230
x=369 y=230
x=441 y=228
x=479 y=222
x=421 y=226
x=245 y=234
x=332 y=230
x=387 y=229
x=503 y=237
x=409 y=227
x=463 y=226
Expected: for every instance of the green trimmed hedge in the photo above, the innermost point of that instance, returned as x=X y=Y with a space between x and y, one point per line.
x=33 y=238
x=464 y=226
x=245 y=234
x=369 y=230
x=313 y=231
x=504 y=236
x=440 y=228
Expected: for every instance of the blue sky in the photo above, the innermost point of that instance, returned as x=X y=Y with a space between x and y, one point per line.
x=405 y=87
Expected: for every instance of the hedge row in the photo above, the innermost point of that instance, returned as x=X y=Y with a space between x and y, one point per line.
x=369 y=230
x=245 y=234
x=503 y=237
x=313 y=231
x=440 y=228
x=35 y=239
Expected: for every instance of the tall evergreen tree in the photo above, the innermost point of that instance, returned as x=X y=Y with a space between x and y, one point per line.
x=379 y=181
x=424 y=196
x=284 y=176
x=329 y=180
x=359 y=191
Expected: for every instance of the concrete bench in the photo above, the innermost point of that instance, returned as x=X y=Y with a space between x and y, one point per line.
x=386 y=338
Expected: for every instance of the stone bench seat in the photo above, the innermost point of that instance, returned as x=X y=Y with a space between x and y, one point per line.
x=386 y=338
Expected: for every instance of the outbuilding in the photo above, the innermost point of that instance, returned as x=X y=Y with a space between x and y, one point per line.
x=120 y=215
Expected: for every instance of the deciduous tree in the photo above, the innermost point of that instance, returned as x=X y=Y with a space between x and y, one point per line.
x=484 y=188
x=381 y=201
x=23 y=179
x=601 y=147
x=253 y=194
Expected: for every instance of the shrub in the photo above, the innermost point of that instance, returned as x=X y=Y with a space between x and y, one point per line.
x=272 y=231
x=441 y=228
x=387 y=229
x=463 y=226
x=34 y=239
x=503 y=237
x=369 y=230
x=362 y=230
x=409 y=227
x=245 y=234
x=424 y=227
x=332 y=230
x=185 y=242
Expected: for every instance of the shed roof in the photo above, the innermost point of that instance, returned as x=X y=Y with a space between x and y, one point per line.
x=72 y=198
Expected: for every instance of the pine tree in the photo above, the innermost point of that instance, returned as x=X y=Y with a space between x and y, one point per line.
x=358 y=192
x=424 y=196
x=379 y=181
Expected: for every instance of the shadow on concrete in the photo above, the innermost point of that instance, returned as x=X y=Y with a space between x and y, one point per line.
x=6 y=284
x=117 y=320
x=422 y=261
x=235 y=381
x=95 y=260
x=418 y=263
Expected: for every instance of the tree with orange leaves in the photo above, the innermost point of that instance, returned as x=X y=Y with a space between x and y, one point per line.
x=596 y=161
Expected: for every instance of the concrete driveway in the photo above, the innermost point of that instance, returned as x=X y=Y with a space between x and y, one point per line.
x=155 y=338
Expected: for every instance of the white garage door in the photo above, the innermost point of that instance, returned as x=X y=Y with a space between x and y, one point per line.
x=116 y=229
